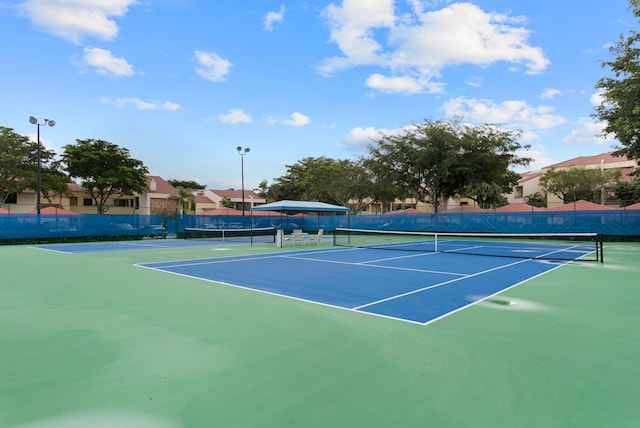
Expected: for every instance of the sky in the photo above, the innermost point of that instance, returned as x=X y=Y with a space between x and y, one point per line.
x=182 y=83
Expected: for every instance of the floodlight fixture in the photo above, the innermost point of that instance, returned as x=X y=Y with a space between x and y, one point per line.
x=242 y=152
x=34 y=121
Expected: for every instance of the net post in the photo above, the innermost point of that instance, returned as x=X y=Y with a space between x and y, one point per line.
x=600 y=242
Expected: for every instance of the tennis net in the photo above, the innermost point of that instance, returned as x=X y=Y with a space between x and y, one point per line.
x=557 y=246
x=259 y=234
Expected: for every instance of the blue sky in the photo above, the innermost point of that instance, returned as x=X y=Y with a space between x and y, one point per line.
x=182 y=83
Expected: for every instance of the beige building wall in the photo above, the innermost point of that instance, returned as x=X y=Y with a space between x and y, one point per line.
x=530 y=182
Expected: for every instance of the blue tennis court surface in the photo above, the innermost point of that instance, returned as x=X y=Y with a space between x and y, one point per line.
x=150 y=244
x=410 y=286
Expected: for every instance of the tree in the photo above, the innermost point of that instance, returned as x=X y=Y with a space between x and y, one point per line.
x=628 y=192
x=227 y=203
x=262 y=189
x=184 y=199
x=54 y=180
x=577 y=183
x=187 y=184
x=19 y=163
x=536 y=199
x=620 y=108
x=104 y=170
x=324 y=179
x=438 y=160
x=487 y=195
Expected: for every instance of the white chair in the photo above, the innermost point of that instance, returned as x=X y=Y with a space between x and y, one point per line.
x=298 y=237
x=317 y=238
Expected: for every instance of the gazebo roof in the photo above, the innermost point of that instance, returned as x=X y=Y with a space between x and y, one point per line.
x=287 y=206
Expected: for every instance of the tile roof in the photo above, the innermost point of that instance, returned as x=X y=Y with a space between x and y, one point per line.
x=589 y=160
x=607 y=157
x=526 y=176
x=75 y=187
x=580 y=205
x=234 y=194
x=162 y=186
x=200 y=199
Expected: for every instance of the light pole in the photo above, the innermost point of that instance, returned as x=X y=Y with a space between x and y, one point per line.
x=242 y=152
x=34 y=121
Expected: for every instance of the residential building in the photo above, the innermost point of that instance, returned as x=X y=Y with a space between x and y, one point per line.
x=529 y=183
x=207 y=199
x=158 y=197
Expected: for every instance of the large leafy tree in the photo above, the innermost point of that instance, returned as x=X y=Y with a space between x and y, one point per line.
x=488 y=195
x=187 y=184
x=104 y=170
x=324 y=179
x=19 y=163
x=620 y=108
x=628 y=192
x=577 y=183
x=436 y=160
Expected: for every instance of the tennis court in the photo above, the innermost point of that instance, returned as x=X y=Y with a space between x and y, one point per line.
x=213 y=237
x=199 y=333
x=412 y=287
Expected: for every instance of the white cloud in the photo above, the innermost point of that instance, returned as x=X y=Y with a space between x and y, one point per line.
x=589 y=132
x=297 y=120
x=235 y=116
x=74 y=20
x=212 y=66
x=549 y=93
x=359 y=137
x=540 y=158
x=352 y=25
x=423 y=43
x=513 y=114
x=403 y=84
x=106 y=63
x=596 y=99
x=141 y=105
x=272 y=18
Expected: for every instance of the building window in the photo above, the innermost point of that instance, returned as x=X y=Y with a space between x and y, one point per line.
x=73 y=200
x=518 y=192
x=87 y=202
x=122 y=203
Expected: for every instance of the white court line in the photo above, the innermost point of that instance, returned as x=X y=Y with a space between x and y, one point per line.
x=228 y=259
x=53 y=250
x=144 y=245
x=400 y=257
x=561 y=250
x=376 y=266
x=353 y=309
x=440 y=284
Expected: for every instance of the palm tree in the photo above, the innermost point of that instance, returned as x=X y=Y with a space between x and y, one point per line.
x=185 y=199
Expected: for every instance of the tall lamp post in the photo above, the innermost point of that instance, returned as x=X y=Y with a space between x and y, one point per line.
x=242 y=152
x=34 y=121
